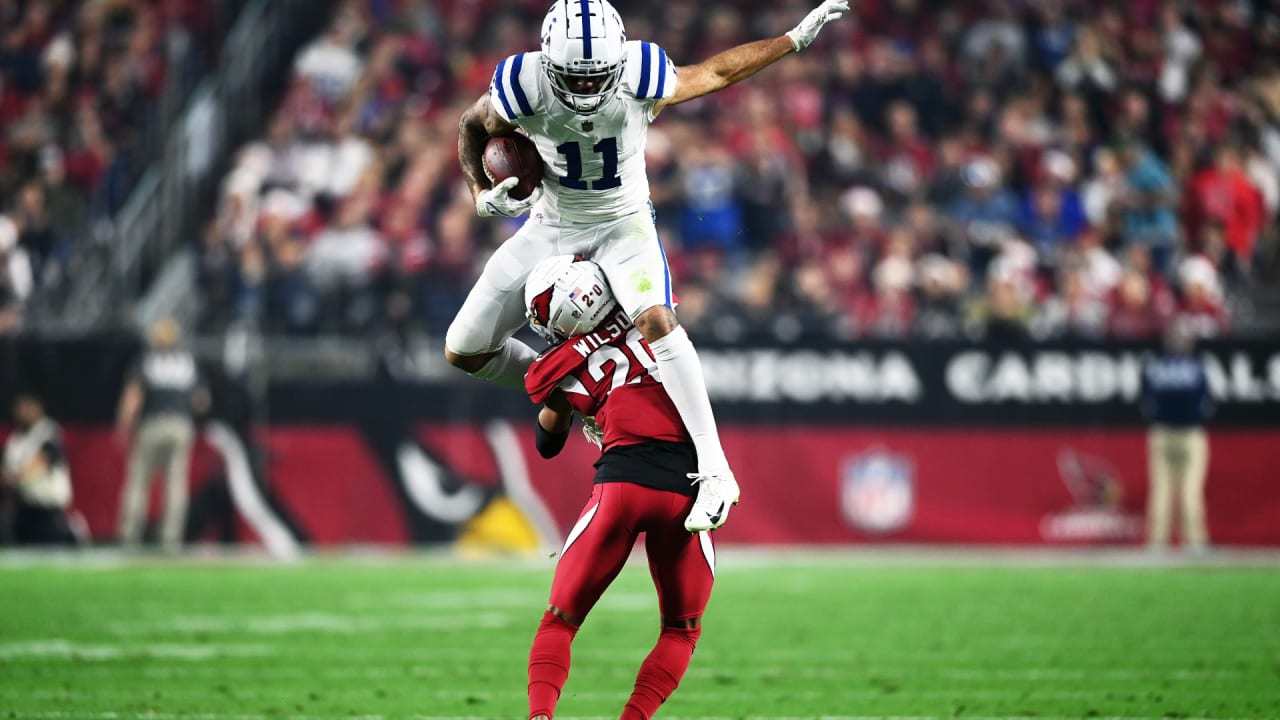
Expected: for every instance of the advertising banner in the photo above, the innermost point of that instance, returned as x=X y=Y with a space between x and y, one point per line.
x=484 y=484
x=952 y=383
x=753 y=381
x=833 y=443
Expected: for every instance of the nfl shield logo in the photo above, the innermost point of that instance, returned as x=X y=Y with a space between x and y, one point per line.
x=588 y=126
x=877 y=491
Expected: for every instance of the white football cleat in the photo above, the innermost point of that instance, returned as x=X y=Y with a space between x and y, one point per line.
x=717 y=492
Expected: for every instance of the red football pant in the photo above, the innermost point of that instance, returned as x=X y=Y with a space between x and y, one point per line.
x=683 y=570
x=661 y=671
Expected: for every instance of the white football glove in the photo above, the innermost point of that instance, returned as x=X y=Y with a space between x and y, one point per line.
x=803 y=34
x=498 y=201
x=592 y=432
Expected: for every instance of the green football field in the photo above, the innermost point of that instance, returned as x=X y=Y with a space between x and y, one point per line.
x=793 y=636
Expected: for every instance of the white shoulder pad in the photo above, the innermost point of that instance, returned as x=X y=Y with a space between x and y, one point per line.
x=650 y=74
x=516 y=91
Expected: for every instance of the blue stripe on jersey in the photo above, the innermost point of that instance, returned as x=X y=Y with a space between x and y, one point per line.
x=521 y=99
x=662 y=72
x=586 y=29
x=502 y=90
x=643 y=91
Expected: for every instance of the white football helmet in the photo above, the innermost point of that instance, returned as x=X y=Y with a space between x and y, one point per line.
x=565 y=296
x=583 y=52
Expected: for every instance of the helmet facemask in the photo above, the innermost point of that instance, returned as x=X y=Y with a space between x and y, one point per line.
x=584 y=85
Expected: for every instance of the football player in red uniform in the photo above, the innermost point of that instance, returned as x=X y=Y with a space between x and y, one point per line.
x=599 y=365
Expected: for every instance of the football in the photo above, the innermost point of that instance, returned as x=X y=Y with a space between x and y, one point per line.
x=513 y=156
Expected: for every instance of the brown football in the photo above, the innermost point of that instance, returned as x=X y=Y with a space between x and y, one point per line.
x=513 y=156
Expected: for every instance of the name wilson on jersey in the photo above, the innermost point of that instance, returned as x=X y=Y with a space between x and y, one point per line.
x=608 y=331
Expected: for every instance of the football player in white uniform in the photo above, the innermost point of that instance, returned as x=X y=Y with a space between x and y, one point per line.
x=586 y=99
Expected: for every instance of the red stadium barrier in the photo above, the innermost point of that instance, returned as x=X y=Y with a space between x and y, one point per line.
x=812 y=485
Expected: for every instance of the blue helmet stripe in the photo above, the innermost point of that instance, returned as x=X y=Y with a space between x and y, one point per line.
x=586 y=29
x=642 y=92
x=502 y=90
x=662 y=73
x=521 y=99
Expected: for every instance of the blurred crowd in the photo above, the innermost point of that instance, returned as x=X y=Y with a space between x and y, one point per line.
x=1000 y=169
x=80 y=84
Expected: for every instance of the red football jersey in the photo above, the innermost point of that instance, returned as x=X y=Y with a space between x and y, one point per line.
x=613 y=363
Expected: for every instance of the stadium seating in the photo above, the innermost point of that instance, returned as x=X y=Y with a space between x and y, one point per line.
x=932 y=170
x=87 y=89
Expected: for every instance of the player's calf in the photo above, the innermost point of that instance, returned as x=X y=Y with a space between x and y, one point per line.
x=549 y=661
x=662 y=670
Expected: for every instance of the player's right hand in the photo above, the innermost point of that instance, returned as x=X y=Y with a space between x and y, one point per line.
x=804 y=34
x=497 y=200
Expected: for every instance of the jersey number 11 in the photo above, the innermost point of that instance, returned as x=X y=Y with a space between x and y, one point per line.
x=608 y=150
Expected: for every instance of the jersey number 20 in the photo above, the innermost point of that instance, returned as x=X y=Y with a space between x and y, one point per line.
x=608 y=151
x=621 y=360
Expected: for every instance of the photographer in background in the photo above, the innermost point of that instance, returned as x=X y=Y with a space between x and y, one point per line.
x=156 y=419
x=1176 y=402
x=35 y=468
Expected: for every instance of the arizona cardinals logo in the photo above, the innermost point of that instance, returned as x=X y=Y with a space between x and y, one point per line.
x=540 y=307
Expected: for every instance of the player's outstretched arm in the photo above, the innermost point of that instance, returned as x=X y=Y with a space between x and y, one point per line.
x=743 y=61
x=479 y=122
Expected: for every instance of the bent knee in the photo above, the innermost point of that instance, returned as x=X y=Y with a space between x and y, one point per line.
x=468 y=363
x=575 y=620
x=686 y=631
x=656 y=322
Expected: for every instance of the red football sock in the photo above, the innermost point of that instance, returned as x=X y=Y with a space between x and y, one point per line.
x=549 y=663
x=661 y=672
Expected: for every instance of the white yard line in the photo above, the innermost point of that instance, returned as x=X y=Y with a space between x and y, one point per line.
x=528 y=601
x=44 y=648
x=311 y=622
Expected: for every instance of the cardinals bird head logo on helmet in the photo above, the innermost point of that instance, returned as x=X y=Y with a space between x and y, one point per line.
x=583 y=52
x=565 y=296
x=540 y=308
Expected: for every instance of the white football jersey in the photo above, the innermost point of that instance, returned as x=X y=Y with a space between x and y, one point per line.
x=594 y=164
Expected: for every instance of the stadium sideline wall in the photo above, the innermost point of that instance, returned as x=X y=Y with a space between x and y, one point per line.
x=870 y=443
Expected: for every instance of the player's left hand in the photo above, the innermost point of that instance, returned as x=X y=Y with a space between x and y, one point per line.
x=592 y=432
x=803 y=34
